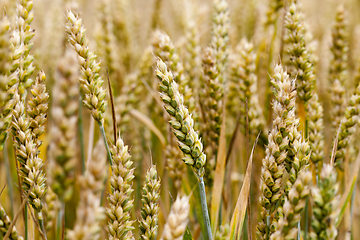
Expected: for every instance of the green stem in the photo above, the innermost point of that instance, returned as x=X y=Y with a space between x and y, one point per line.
x=306 y=220
x=298 y=235
x=352 y=209
x=26 y=222
x=41 y=223
x=81 y=135
x=205 y=207
x=106 y=144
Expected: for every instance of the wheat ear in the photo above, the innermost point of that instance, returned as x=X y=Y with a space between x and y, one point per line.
x=338 y=66
x=5 y=223
x=299 y=65
x=177 y=220
x=62 y=147
x=37 y=108
x=213 y=107
x=348 y=126
x=120 y=200
x=181 y=121
x=293 y=207
x=316 y=130
x=90 y=80
x=273 y=165
x=326 y=202
x=243 y=83
x=6 y=101
x=150 y=207
x=21 y=44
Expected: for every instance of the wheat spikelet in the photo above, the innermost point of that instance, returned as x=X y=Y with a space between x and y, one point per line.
x=37 y=108
x=106 y=42
x=181 y=121
x=21 y=44
x=325 y=205
x=213 y=107
x=62 y=147
x=338 y=67
x=243 y=85
x=90 y=80
x=294 y=205
x=299 y=65
x=120 y=200
x=316 y=130
x=122 y=31
x=273 y=165
x=6 y=102
x=150 y=207
x=273 y=11
x=51 y=209
x=165 y=49
x=31 y=165
x=220 y=35
x=177 y=220
x=192 y=62
x=348 y=126
x=5 y=223
x=300 y=163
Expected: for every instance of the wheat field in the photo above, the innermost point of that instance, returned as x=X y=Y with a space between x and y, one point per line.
x=179 y=119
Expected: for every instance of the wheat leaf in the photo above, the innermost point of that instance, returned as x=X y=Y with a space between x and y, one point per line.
x=237 y=220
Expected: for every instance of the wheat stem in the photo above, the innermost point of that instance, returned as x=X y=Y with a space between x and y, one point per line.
x=204 y=207
x=102 y=130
